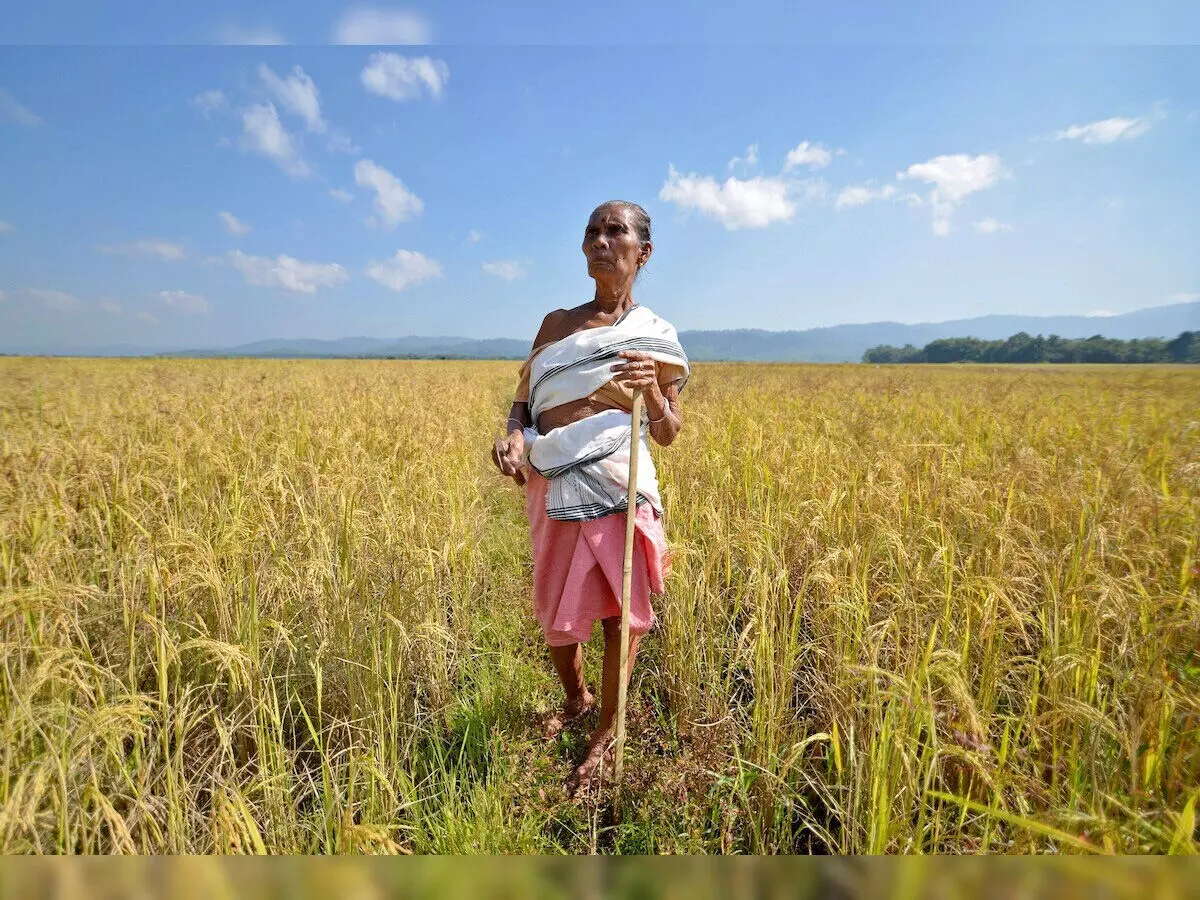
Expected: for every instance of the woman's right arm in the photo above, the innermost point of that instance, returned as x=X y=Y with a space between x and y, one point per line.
x=508 y=452
x=519 y=418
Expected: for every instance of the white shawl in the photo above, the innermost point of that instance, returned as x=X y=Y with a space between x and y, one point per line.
x=587 y=462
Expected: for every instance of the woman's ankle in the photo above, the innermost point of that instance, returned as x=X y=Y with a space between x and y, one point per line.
x=581 y=699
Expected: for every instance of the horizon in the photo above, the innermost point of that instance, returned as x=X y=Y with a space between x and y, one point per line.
x=185 y=350
x=212 y=196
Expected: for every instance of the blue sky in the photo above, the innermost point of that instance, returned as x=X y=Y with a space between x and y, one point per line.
x=909 y=167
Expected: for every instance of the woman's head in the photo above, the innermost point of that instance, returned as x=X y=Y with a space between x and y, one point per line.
x=616 y=241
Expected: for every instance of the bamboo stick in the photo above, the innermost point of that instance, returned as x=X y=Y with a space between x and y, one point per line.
x=627 y=584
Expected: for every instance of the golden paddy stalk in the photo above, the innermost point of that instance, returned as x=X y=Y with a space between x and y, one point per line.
x=283 y=606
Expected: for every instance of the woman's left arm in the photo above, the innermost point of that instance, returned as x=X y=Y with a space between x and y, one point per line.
x=662 y=402
x=664 y=430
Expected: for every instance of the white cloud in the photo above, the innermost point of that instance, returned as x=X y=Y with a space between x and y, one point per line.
x=862 y=194
x=957 y=175
x=366 y=25
x=1107 y=131
x=264 y=134
x=234 y=225
x=393 y=200
x=12 y=111
x=990 y=226
x=738 y=203
x=56 y=301
x=341 y=196
x=113 y=309
x=146 y=316
x=474 y=237
x=287 y=272
x=6 y=227
x=403 y=78
x=188 y=304
x=954 y=177
x=209 y=102
x=1100 y=314
x=805 y=154
x=254 y=35
x=748 y=161
x=298 y=95
x=164 y=250
x=1186 y=297
x=404 y=270
x=508 y=269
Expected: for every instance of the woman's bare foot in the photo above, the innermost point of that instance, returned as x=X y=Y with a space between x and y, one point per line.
x=554 y=722
x=598 y=762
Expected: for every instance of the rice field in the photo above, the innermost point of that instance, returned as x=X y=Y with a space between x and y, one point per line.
x=283 y=606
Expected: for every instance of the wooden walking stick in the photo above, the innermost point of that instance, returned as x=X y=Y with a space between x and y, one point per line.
x=627 y=584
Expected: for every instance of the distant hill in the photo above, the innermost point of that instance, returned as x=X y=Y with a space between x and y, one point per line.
x=838 y=343
x=847 y=343
x=351 y=346
x=412 y=346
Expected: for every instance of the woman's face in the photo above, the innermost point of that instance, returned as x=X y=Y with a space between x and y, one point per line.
x=612 y=246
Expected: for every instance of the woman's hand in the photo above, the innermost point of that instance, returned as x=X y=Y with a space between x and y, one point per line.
x=507 y=453
x=639 y=372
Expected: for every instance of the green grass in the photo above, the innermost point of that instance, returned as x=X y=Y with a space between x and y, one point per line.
x=284 y=606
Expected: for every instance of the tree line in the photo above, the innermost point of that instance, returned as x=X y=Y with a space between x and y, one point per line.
x=1025 y=348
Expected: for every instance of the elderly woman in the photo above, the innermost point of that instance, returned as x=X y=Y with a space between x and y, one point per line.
x=568 y=443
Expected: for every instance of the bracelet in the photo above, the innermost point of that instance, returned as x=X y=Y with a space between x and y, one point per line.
x=518 y=421
x=666 y=403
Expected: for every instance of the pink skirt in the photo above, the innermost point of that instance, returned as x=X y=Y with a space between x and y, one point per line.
x=578 y=568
